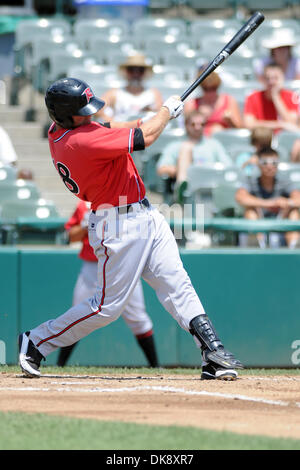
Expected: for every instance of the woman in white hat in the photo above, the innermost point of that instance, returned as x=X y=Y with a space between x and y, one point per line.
x=135 y=97
x=280 y=51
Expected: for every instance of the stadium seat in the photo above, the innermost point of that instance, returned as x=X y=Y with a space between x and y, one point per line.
x=204 y=5
x=224 y=200
x=162 y=48
x=279 y=23
x=60 y=63
x=32 y=222
x=27 y=30
x=32 y=31
x=18 y=190
x=157 y=27
x=208 y=27
x=107 y=76
x=203 y=178
x=233 y=72
x=254 y=5
x=151 y=155
x=160 y=4
x=201 y=181
x=165 y=74
x=289 y=172
x=174 y=88
x=109 y=28
x=284 y=142
x=188 y=59
x=102 y=48
x=233 y=139
x=40 y=58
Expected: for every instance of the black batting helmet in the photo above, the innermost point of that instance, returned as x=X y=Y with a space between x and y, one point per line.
x=69 y=97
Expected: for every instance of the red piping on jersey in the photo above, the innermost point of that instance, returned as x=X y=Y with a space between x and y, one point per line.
x=145 y=335
x=93 y=313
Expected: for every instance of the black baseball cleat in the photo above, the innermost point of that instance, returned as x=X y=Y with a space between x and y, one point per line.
x=29 y=356
x=214 y=372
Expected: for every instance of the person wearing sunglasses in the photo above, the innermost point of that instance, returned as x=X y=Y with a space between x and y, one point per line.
x=135 y=97
x=270 y=196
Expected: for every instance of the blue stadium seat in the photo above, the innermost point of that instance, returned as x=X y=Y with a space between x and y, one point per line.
x=8 y=174
x=204 y=5
x=110 y=28
x=289 y=172
x=155 y=27
x=18 y=190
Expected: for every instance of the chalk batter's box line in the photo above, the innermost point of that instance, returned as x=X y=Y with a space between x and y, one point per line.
x=154 y=388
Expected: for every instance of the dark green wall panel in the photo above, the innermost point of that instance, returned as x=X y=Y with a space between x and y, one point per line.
x=8 y=305
x=253 y=298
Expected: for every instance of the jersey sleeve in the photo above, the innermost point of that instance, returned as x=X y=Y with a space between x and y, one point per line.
x=106 y=143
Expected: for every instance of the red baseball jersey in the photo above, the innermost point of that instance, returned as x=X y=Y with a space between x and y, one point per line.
x=95 y=164
x=86 y=252
x=262 y=108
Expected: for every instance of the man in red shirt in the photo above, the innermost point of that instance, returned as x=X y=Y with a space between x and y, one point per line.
x=130 y=238
x=273 y=107
x=134 y=315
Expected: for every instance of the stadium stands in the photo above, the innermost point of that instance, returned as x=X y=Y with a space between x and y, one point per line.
x=92 y=49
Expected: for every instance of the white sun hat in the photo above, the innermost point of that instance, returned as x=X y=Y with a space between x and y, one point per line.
x=280 y=38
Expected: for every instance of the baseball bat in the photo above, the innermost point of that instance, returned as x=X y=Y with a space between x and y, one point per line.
x=248 y=28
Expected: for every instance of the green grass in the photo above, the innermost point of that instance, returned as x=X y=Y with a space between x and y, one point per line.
x=19 y=431
x=43 y=432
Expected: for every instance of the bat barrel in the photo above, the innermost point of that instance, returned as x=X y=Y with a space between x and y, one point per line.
x=248 y=28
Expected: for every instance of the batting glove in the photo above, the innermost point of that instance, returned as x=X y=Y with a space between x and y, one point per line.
x=174 y=105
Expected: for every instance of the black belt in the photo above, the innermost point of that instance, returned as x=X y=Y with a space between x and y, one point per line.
x=126 y=209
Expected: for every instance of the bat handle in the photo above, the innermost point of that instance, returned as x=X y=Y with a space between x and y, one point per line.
x=194 y=85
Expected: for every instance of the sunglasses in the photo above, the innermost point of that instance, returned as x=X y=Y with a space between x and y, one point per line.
x=136 y=69
x=210 y=88
x=269 y=161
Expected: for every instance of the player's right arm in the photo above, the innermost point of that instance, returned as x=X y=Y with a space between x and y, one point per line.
x=153 y=127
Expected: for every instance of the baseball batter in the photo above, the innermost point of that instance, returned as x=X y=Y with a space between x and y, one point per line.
x=130 y=238
x=135 y=315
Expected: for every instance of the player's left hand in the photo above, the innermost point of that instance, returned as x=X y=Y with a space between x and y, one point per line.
x=174 y=105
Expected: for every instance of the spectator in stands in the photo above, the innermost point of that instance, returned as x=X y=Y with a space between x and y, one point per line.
x=260 y=137
x=280 y=46
x=25 y=174
x=222 y=109
x=267 y=196
x=135 y=98
x=273 y=107
x=195 y=149
x=8 y=154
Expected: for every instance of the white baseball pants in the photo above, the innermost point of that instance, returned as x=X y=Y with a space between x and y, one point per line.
x=129 y=246
x=134 y=315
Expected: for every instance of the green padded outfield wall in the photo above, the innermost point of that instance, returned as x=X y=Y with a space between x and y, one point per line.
x=9 y=304
x=253 y=298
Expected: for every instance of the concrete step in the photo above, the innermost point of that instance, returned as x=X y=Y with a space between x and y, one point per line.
x=18 y=114
x=33 y=147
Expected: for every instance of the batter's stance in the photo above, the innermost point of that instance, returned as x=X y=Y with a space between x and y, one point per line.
x=129 y=237
x=135 y=314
